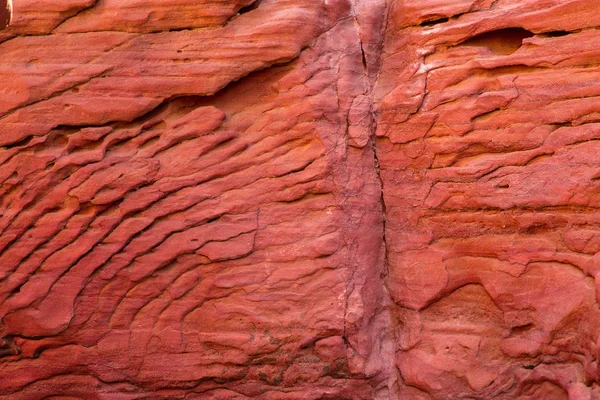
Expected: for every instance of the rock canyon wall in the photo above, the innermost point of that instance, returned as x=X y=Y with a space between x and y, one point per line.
x=300 y=199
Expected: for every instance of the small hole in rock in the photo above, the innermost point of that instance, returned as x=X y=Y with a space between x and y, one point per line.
x=522 y=329
x=250 y=7
x=38 y=352
x=502 y=41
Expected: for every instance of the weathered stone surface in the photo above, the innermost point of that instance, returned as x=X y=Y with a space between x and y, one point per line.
x=299 y=199
x=168 y=232
x=487 y=144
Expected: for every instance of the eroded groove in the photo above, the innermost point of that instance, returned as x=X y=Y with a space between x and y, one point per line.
x=251 y=7
x=434 y=21
x=553 y=34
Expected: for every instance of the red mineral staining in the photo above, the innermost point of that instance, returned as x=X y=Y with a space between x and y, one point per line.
x=307 y=199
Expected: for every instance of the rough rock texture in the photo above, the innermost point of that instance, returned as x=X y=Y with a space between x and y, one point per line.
x=487 y=140
x=5 y=12
x=168 y=232
x=300 y=199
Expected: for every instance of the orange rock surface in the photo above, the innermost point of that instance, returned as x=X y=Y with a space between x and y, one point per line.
x=300 y=199
x=487 y=140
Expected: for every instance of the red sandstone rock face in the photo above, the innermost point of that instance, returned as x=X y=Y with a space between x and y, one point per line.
x=302 y=199
x=487 y=143
x=169 y=233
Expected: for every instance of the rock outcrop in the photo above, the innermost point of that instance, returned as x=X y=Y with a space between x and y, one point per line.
x=300 y=199
x=487 y=140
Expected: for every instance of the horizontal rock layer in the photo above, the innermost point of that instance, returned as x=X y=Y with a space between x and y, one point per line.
x=487 y=143
x=277 y=199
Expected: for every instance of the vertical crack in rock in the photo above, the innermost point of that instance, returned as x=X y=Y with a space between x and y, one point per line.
x=377 y=167
x=371 y=21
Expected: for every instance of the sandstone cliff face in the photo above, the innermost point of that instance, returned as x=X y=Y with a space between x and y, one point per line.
x=299 y=199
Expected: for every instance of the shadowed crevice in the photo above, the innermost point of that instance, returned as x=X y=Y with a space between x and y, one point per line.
x=249 y=8
x=5 y=13
x=434 y=21
x=501 y=41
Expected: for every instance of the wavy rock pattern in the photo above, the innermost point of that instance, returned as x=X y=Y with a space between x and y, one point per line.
x=487 y=143
x=299 y=199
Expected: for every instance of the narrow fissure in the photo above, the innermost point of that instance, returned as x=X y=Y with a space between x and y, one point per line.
x=364 y=58
x=388 y=373
x=435 y=21
x=381 y=200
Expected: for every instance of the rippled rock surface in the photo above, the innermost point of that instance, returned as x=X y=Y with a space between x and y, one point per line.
x=299 y=199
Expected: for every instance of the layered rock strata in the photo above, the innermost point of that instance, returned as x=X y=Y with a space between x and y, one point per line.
x=277 y=199
x=487 y=140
